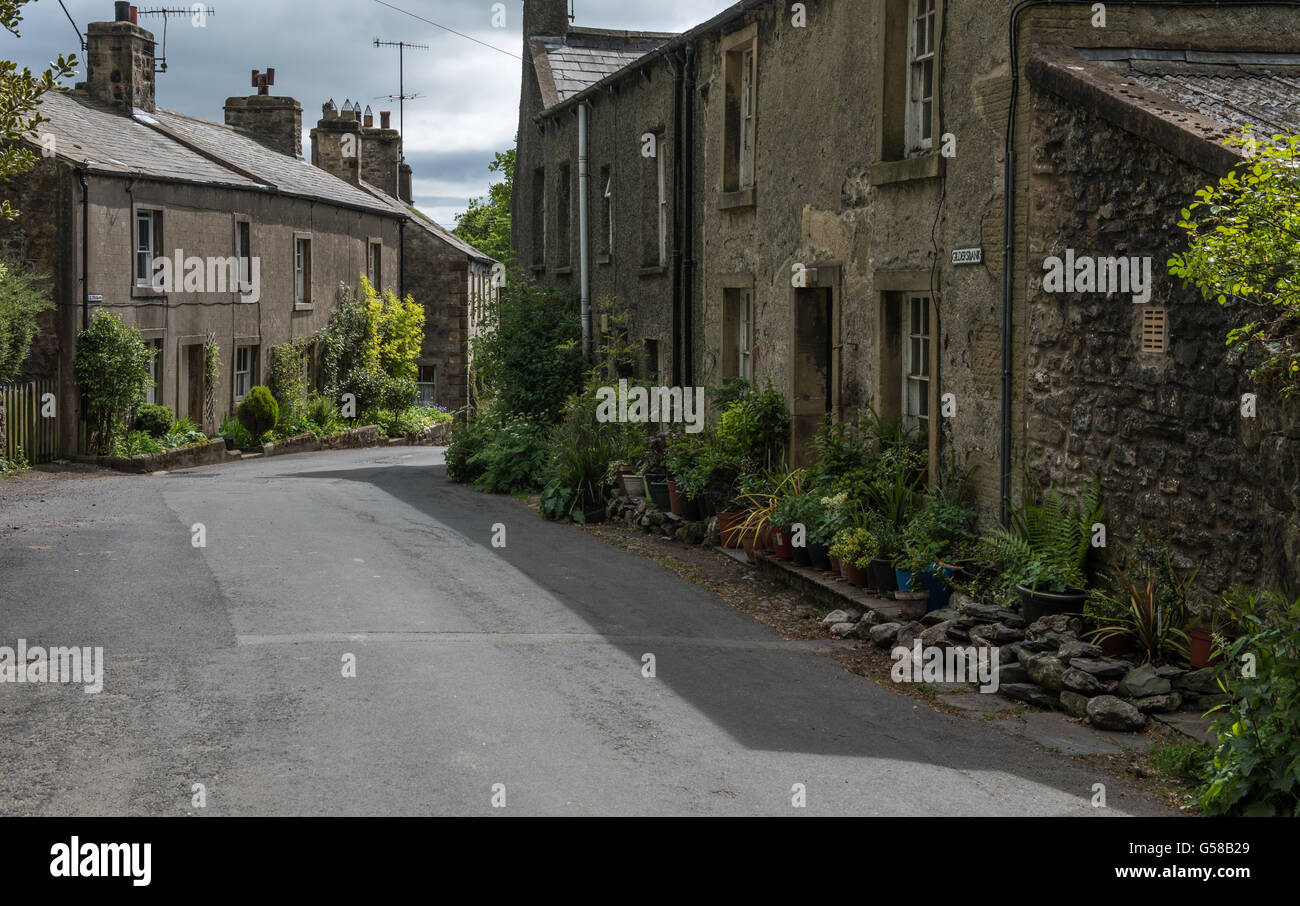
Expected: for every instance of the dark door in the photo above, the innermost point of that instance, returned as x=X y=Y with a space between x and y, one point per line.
x=812 y=396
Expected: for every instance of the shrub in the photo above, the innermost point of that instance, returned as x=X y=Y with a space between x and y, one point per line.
x=135 y=443
x=511 y=457
x=467 y=440
x=1256 y=766
x=112 y=366
x=756 y=426
x=527 y=354
x=20 y=303
x=235 y=434
x=375 y=390
x=154 y=420
x=322 y=412
x=288 y=378
x=258 y=412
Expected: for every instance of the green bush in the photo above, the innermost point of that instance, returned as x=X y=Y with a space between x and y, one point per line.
x=235 y=434
x=512 y=457
x=527 y=354
x=468 y=439
x=258 y=412
x=1256 y=766
x=375 y=390
x=135 y=443
x=112 y=366
x=288 y=378
x=154 y=420
x=21 y=301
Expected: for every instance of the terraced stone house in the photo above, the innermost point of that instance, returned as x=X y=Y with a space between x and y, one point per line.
x=861 y=201
x=122 y=181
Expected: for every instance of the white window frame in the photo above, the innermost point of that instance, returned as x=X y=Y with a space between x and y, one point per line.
x=430 y=398
x=916 y=326
x=146 y=252
x=244 y=369
x=745 y=168
x=921 y=62
x=375 y=263
x=745 y=340
x=302 y=270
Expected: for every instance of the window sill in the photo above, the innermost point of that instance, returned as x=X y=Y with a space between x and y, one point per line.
x=652 y=270
x=304 y=306
x=604 y=259
x=147 y=292
x=913 y=168
x=564 y=271
x=744 y=198
x=537 y=268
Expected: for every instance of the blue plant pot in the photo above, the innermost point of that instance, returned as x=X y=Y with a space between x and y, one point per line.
x=904 y=578
x=934 y=582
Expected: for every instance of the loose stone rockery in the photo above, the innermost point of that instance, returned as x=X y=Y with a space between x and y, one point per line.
x=1046 y=664
x=643 y=514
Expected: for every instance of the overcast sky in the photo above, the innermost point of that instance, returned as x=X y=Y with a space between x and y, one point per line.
x=322 y=49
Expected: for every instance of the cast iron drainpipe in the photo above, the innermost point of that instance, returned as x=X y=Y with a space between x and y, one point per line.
x=1008 y=206
x=688 y=217
x=82 y=171
x=401 y=258
x=584 y=240
x=678 y=340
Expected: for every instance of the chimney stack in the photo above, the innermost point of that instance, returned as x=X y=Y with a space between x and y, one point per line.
x=119 y=61
x=336 y=142
x=382 y=154
x=546 y=17
x=404 y=179
x=273 y=121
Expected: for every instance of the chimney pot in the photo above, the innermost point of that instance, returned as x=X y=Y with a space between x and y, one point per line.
x=270 y=76
x=385 y=118
x=122 y=11
x=134 y=16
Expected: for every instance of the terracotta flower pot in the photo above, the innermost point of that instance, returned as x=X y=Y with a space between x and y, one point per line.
x=674 y=498
x=1200 y=649
x=633 y=485
x=781 y=543
x=729 y=522
x=856 y=575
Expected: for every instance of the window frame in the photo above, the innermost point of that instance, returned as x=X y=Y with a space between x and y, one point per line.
x=375 y=262
x=739 y=53
x=421 y=384
x=154 y=215
x=302 y=273
x=919 y=109
x=249 y=370
x=916 y=385
x=244 y=252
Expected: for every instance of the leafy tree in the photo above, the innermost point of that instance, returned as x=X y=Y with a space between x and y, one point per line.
x=486 y=223
x=113 y=368
x=527 y=354
x=20 y=95
x=370 y=348
x=20 y=302
x=1244 y=247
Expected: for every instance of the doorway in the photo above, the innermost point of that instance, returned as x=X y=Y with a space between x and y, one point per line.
x=192 y=390
x=813 y=363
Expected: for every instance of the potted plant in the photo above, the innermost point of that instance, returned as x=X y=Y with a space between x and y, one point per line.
x=1044 y=555
x=1154 y=623
x=856 y=548
x=1216 y=628
x=797 y=514
x=655 y=469
x=763 y=497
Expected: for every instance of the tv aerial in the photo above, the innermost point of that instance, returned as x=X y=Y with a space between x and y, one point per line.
x=198 y=12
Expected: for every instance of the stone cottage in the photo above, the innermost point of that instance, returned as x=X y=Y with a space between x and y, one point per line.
x=861 y=200
x=271 y=237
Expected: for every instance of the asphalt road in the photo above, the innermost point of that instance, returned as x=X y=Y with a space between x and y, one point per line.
x=475 y=666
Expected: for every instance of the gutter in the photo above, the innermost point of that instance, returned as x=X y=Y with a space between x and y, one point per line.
x=82 y=172
x=678 y=191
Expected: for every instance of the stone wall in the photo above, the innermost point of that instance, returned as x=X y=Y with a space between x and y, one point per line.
x=437 y=277
x=1163 y=430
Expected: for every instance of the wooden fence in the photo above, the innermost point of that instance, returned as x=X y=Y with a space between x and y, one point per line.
x=29 y=421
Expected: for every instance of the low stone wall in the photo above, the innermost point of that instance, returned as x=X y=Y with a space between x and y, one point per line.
x=369 y=436
x=643 y=514
x=169 y=460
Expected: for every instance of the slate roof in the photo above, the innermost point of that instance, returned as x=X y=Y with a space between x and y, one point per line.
x=1236 y=89
x=423 y=221
x=567 y=65
x=174 y=147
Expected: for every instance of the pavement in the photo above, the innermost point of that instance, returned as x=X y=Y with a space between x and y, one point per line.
x=488 y=680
